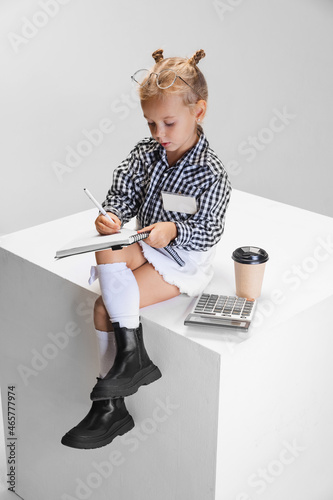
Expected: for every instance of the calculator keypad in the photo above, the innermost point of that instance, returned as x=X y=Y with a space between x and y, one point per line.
x=224 y=306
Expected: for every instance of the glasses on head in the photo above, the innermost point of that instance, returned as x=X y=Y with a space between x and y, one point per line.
x=164 y=79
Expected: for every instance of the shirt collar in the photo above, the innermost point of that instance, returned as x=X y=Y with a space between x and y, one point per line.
x=192 y=156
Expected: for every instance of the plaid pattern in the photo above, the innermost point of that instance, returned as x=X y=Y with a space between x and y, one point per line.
x=140 y=178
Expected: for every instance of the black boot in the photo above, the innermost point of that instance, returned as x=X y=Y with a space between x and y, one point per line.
x=131 y=369
x=106 y=420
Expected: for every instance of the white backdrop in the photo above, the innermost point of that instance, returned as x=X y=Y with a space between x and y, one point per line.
x=66 y=67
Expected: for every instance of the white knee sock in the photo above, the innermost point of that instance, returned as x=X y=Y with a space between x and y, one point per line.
x=107 y=350
x=120 y=293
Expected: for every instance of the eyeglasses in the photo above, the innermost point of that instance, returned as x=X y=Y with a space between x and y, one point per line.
x=164 y=79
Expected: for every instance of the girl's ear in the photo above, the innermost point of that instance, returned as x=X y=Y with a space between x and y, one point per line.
x=200 y=110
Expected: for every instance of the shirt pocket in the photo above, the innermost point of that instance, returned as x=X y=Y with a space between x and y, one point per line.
x=177 y=216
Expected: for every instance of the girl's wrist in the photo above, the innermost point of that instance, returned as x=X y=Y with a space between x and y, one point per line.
x=173 y=231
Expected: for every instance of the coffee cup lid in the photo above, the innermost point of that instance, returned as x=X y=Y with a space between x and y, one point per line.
x=250 y=255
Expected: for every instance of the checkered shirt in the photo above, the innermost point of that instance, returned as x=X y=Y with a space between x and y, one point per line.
x=145 y=173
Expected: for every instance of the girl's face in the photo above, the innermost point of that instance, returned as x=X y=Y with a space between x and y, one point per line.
x=173 y=124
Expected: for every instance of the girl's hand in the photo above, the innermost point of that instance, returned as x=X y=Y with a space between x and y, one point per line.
x=104 y=226
x=161 y=233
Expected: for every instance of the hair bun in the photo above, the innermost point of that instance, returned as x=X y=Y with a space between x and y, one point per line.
x=200 y=54
x=158 y=55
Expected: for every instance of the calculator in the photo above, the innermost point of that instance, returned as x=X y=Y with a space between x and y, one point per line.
x=222 y=310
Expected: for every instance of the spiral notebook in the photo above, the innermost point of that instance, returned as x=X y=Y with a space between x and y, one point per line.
x=93 y=242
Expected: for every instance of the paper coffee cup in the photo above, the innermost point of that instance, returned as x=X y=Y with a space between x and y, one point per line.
x=249 y=265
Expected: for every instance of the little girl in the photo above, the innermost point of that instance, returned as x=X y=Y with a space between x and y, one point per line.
x=178 y=190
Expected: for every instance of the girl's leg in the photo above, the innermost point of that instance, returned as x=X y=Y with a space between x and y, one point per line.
x=101 y=318
x=153 y=289
x=132 y=255
x=97 y=428
x=119 y=288
x=124 y=291
x=106 y=343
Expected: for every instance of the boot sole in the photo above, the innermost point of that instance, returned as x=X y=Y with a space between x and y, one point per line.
x=144 y=377
x=117 y=429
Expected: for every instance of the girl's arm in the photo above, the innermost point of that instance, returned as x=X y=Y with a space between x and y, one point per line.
x=200 y=231
x=127 y=191
x=204 y=229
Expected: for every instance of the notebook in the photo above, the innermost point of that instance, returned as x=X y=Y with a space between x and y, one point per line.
x=92 y=241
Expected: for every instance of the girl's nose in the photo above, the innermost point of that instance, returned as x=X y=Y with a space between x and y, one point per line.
x=160 y=132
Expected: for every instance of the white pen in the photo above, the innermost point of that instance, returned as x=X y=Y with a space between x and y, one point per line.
x=100 y=208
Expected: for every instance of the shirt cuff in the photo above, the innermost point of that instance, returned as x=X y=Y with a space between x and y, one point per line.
x=183 y=234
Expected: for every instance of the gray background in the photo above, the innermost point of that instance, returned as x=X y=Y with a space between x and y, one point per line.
x=67 y=66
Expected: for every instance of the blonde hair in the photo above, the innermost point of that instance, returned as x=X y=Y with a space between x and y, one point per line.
x=186 y=69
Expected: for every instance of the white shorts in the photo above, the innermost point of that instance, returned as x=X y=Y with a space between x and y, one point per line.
x=192 y=278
